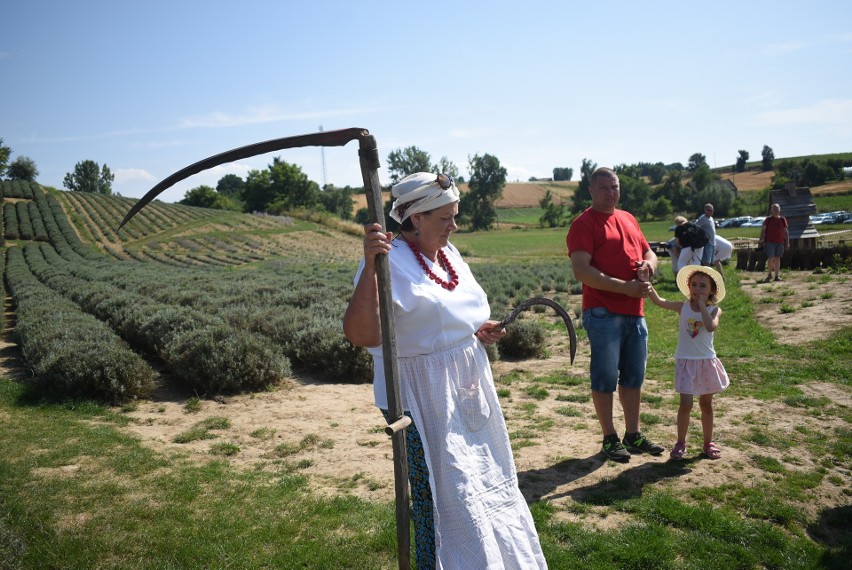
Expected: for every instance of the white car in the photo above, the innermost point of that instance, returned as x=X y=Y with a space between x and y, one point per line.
x=754 y=223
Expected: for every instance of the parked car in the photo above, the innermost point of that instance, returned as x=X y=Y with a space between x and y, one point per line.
x=753 y=223
x=734 y=222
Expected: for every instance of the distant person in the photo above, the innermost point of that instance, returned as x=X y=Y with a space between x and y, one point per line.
x=722 y=252
x=613 y=260
x=708 y=224
x=774 y=236
x=468 y=509
x=698 y=372
x=673 y=246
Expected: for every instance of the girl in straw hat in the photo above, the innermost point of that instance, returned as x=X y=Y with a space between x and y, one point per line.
x=697 y=370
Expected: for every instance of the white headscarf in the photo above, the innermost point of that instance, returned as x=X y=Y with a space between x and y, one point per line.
x=420 y=192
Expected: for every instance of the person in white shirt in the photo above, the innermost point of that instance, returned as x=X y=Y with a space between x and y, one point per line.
x=722 y=252
x=442 y=321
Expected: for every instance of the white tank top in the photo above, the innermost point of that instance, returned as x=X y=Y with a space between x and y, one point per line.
x=694 y=342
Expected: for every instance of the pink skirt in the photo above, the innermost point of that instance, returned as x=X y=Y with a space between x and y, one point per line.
x=699 y=377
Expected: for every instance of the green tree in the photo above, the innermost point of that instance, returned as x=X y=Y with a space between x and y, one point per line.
x=258 y=191
x=5 y=153
x=88 y=176
x=232 y=186
x=337 y=201
x=487 y=179
x=661 y=208
x=22 y=168
x=206 y=197
x=401 y=163
x=702 y=177
x=553 y=215
x=673 y=190
x=582 y=199
x=741 y=161
x=635 y=196
x=656 y=172
x=281 y=187
x=695 y=161
x=563 y=173
x=718 y=194
x=446 y=166
x=768 y=158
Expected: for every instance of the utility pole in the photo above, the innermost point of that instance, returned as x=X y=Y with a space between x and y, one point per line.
x=322 y=151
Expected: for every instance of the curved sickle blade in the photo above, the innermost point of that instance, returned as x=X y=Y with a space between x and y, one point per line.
x=322 y=138
x=560 y=310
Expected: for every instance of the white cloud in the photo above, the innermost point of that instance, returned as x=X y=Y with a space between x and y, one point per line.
x=259 y=115
x=785 y=48
x=832 y=112
x=124 y=175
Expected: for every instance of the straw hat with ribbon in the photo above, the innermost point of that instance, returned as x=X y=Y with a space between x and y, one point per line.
x=687 y=271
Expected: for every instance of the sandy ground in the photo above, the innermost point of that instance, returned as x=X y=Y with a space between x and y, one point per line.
x=333 y=434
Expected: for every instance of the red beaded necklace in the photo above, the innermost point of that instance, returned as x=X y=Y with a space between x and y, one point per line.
x=445 y=263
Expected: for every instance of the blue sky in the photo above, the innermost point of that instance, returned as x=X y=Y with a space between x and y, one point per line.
x=150 y=87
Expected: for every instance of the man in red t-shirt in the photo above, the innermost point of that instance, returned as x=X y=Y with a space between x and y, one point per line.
x=774 y=236
x=613 y=260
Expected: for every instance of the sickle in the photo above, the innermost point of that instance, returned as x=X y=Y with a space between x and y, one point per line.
x=322 y=138
x=560 y=310
x=369 y=159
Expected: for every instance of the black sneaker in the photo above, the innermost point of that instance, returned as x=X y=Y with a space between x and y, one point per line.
x=614 y=450
x=641 y=444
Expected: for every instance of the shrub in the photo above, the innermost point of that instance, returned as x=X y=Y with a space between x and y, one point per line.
x=524 y=339
x=218 y=359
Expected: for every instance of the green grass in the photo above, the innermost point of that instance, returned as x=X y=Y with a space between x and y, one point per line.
x=76 y=492
x=527 y=243
x=833 y=203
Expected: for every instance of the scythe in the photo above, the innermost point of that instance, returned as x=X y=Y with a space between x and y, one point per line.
x=369 y=159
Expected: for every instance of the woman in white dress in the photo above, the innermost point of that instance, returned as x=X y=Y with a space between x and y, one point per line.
x=442 y=322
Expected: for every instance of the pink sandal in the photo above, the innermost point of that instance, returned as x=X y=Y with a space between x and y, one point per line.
x=678 y=451
x=711 y=451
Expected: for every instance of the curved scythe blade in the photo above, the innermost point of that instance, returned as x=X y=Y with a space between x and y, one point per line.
x=560 y=310
x=322 y=138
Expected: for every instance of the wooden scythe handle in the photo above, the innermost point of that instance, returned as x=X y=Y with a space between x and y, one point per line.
x=369 y=158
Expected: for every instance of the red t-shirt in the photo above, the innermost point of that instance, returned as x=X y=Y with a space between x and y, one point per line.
x=615 y=243
x=775 y=229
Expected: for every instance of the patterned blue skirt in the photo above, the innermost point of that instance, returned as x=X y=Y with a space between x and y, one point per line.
x=421 y=498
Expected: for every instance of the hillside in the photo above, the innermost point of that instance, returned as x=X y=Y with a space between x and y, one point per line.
x=212 y=301
x=185 y=236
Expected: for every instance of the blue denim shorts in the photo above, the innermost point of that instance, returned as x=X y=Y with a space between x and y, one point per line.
x=774 y=249
x=619 y=346
x=707 y=256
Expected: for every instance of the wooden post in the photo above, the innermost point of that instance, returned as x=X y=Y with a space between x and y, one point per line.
x=369 y=156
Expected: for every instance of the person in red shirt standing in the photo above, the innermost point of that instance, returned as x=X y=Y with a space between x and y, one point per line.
x=774 y=236
x=613 y=260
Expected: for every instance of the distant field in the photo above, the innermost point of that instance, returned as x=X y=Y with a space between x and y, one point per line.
x=515 y=194
x=529 y=194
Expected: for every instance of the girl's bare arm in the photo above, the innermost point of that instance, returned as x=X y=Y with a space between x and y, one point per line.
x=710 y=315
x=660 y=302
